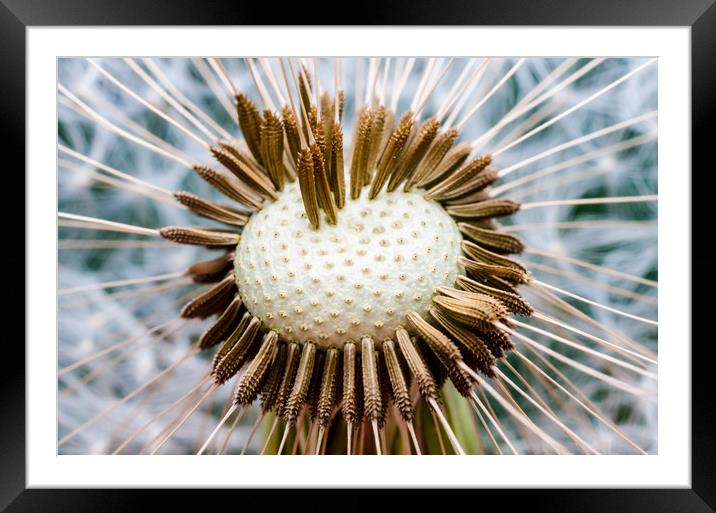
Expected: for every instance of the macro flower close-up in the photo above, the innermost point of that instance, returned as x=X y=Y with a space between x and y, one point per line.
x=379 y=255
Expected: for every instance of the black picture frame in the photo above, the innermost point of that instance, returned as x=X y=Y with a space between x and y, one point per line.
x=17 y=15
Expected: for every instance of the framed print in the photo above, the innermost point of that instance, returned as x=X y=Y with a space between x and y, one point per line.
x=396 y=256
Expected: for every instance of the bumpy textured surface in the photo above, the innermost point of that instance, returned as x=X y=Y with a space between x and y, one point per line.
x=359 y=277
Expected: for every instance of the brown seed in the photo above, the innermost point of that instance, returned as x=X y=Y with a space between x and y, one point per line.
x=359 y=388
x=307 y=183
x=341 y=104
x=480 y=269
x=314 y=388
x=211 y=271
x=328 y=109
x=385 y=394
x=231 y=187
x=496 y=340
x=479 y=313
x=199 y=237
x=231 y=339
x=361 y=148
x=304 y=89
x=313 y=123
x=436 y=340
x=498 y=241
x=391 y=154
x=388 y=128
x=495 y=207
x=297 y=398
x=212 y=300
x=473 y=176
x=209 y=210
x=481 y=254
x=472 y=197
x=248 y=387
x=451 y=367
x=234 y=149
x=436 y=152
x=371 y=385
x=453 y=160
x=326 y=124
x=323 y=187
x=220 y=329
x=252 y=176
x=327 y=396
x=270 y=387
x=290 y=126
x=250 y=123
x=234 y=358
x=338 y=185
x=271 y=134
x=350 y=399
x=481 y=356
x=289 y=374
x=423 y=377
x=401 y=394
x=414 y=154
x=513 y=301
x=460 y=378
x=375 y=138
x=435 y=366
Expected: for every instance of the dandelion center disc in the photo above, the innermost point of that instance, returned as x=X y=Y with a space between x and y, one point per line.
x=382 y=259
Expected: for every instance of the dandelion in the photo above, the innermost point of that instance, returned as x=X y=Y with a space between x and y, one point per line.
x=381 y=256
